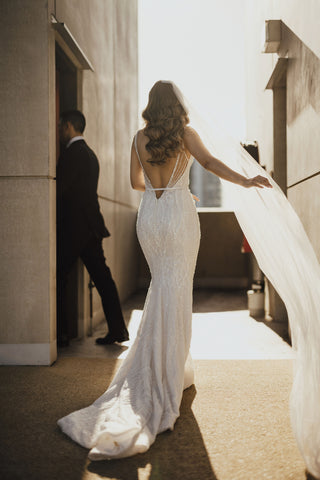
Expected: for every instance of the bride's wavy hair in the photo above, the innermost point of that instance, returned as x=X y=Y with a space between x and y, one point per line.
x=165 y=120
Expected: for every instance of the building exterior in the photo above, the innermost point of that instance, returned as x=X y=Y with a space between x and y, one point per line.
x=283 y=102
x=62 y=54
x=58 y=55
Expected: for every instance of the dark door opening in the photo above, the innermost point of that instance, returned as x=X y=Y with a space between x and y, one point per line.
x=278 y=84
x=66 y=99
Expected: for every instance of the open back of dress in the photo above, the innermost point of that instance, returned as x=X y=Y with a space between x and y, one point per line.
x=178 y=167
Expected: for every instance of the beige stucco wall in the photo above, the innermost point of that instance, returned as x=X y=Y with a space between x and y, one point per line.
x=27 y=172
x=300 y=43
x=220 y=261
x=106 y=30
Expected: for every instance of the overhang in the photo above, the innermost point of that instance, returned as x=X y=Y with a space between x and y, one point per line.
x=69 y=44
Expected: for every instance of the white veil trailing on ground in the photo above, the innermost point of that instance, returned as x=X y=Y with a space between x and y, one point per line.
x=286 y=257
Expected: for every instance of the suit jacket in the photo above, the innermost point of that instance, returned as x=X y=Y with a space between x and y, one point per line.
x=78 y=211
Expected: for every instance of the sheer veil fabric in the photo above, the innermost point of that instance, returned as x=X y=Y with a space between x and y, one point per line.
x=286 y=257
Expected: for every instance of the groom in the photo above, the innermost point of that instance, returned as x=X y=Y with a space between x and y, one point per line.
x=81 y=228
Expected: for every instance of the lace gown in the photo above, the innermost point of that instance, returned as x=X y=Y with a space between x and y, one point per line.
x=145 y=395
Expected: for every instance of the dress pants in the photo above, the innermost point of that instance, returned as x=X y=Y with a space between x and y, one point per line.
x=93 y=258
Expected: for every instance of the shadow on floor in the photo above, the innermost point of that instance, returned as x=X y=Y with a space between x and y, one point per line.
x=179 y=454
x=218 y=300
x=280 y=328
x=222 y=300
x=32 y=399
x=309 y=476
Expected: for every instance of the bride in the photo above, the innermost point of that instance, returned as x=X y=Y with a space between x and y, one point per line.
x=145 y=395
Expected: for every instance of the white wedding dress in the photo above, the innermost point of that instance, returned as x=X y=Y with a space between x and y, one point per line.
x=145 y=395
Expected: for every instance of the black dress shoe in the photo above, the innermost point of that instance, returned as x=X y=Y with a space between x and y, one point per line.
x=110 y=338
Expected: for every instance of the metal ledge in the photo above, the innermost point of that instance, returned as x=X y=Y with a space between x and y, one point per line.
x=68 y=43
x=272 y=36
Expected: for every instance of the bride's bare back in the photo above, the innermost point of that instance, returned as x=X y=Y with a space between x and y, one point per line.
x=161 y=176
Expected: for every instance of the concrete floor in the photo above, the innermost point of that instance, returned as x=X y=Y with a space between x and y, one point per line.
x=237 y=415
x=222 y=329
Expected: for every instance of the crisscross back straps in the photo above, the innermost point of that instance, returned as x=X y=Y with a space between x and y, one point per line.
x=179 y=169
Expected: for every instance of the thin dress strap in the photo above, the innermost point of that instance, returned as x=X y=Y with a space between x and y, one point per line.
x=179 y=169
x=136 y=147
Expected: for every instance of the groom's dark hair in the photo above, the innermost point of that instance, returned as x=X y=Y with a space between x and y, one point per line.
x=76 y=118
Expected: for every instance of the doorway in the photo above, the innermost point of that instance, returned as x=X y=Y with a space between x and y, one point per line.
x=278 y=84
x=67 y=99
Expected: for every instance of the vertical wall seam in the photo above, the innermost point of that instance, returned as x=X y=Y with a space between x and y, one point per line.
x=114 y=19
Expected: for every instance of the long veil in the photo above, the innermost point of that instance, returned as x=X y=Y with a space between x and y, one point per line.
x=286 y=257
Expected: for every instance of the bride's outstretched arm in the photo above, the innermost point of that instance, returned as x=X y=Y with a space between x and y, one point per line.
x=197 y=149
x=136 y=173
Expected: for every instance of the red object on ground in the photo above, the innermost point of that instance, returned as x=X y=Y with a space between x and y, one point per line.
x=245 y=247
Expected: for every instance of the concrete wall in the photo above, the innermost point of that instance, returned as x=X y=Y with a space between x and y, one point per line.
x=220 y=261
x=300 y=45
x=107 y=33
x=27 y=172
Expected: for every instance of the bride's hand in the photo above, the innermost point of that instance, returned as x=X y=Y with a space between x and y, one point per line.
x=259 y=181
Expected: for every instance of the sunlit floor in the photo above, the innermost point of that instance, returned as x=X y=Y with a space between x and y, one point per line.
x=221 y=329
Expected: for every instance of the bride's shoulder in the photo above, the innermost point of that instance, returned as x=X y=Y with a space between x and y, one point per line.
x=141 y=140
x=190 y=135
x=189 y=132
x=141 y=135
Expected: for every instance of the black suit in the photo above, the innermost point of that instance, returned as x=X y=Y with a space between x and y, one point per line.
x=80 y=230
